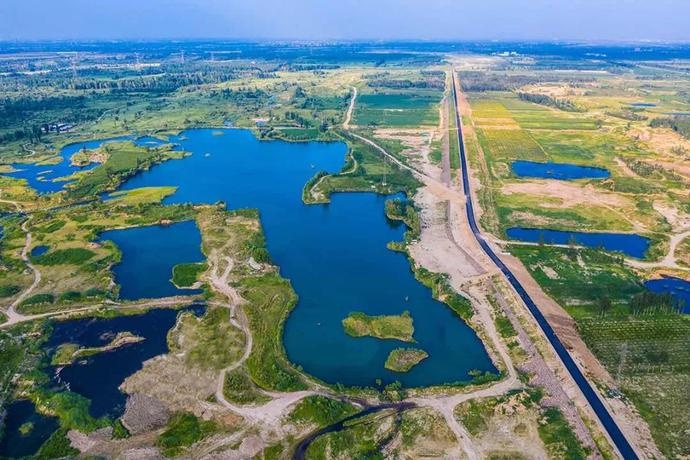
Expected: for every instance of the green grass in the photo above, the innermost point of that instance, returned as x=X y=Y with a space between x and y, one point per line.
x=399 y=327
x=69 y=256
x=216 y=343
x=404 y=359
x=57 y=446
x=269 y=300
x=8 y=290
x=239 y=389
x=364 y=170
x=125 y=160
x=183 y=430
x=185 y=275
x=321 y=411
x=141 y=195
x=558 y=436
x=397 y=109
x=579 y=290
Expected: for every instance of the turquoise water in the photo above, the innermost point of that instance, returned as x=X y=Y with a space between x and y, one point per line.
x=560 y=171
x=41 y=177
x=14 y=444
x=627 y=243
x=149 y=255
x=335 y=256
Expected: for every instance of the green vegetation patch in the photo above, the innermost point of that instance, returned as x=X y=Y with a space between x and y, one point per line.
x=239 y=388
x=213 y=341
x=558 y=436
x=142 y=195
x=321 y=411
x=398 y=109
x=399 y=327
x=185 y=275
x=183 y=430
x=69 y=256
x=404 y=359
x=649 y=355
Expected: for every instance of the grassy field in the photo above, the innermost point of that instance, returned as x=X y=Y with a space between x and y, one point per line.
x=398 y=109
x=650 y=359
x=399 y=327
x=404 y=359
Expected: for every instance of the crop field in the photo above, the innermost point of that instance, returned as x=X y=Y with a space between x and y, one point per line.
x=398 y=109
x=650 y=359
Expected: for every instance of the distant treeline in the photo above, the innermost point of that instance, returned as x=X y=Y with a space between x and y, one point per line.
x=679 y=124
x=434 y=79
x=544 y=99
x=480 y=81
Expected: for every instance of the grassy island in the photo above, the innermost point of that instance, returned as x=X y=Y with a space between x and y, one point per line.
x=398 y=327
x=67 y=353
x=404 y=359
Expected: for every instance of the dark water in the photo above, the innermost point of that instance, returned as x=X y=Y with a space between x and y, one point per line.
x=335 y=255
x=39 y=251
x=99 y=376
x=627 y=243
x=678 y=288
x=41 y=177
x=149 y=255
x=642 y=104
x=561 y=171
x=13 y=443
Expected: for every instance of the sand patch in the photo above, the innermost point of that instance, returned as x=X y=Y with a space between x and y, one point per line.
x=568 y=194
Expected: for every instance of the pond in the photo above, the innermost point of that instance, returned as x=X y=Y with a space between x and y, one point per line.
x=560 y=171
x=99 y=376
x=335 y=256
x=22 y=416
x=149 y=255
x=39 y=251
x=628 y=243
x=642 y=104
x=41 y=176
x=677 y=287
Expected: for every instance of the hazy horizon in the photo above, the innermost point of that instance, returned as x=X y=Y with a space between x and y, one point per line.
x=618 y=21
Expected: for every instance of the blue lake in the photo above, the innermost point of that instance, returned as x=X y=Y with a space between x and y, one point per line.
x=627 y=243
x=39 y=251
x=678 y=288
x=335 y=256
x=560 y=171
x=642 y=104
x=41 y=177
x=13 y=443
x=149 y=255
x=99 y=376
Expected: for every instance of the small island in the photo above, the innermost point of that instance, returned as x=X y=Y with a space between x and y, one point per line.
x=67 y=353
x=404 y=359
x=398 y=327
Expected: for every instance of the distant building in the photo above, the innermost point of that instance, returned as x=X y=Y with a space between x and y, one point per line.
x=57 y=128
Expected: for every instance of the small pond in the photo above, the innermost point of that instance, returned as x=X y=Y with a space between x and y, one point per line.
x=39 y=250
x=628 y=243
x=560 y=171
x=677 y=287
x=22 y=415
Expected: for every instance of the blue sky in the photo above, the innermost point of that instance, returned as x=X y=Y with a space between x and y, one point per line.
x=622 y=20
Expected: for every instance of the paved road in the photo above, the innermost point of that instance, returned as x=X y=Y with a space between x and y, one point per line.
x=592 y=397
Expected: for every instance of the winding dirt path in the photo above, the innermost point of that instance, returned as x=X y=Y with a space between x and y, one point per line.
x=271 y=413
x=13 y=316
